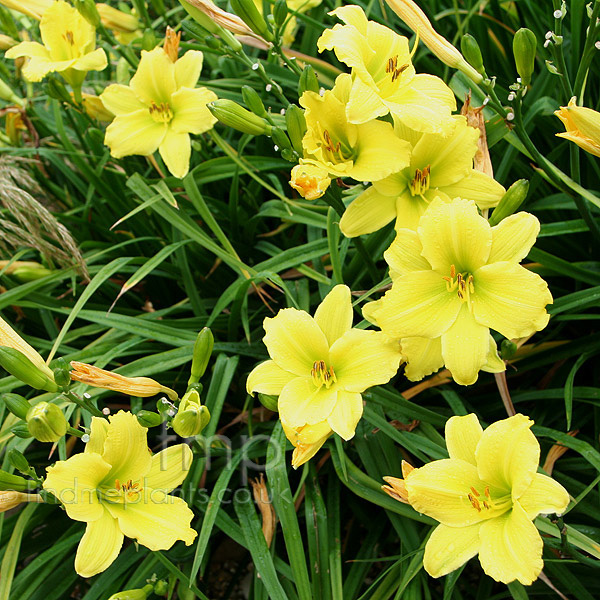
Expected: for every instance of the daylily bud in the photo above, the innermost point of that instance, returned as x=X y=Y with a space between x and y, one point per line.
x=310 y=181
x=17 y=364
x=308 y=81
x=62 y=373
x=280 y=138
x=396 y=488
x=510 y=202
x=31 y=8
x=203 y=348
x=123 y=73
x=253 y=101
x=134 y=386
x=117 y=20
x=507 y=349
x=7 y=94
x=24 y=270
x=20 y=430
x=416 y=19
x=161 y=588
x=56 y=89
x=139 y=594
x=17 y=405
x=247 y=11
x=149 y=40
x=472 y=52
x=582 y=126
x=192 y=417
x=18 y=461
x=8 y=481
x=296 y=126
x=147 y=418
x=7 y=42
x=11 y=499
x=87 y=9
x=280 y=12
x=269 y=402
x=46 y=422
x=524 y=47
x=95 y=109
x=236 y=117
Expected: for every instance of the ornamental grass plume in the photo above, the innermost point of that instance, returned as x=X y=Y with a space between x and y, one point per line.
x=485 y=497
x=383 y=78
x=582 y=126
x=458 y=278
x=160 y=108
x=319 y=368
x=119 y=489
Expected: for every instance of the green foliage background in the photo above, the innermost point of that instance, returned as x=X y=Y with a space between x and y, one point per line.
x=339 y=536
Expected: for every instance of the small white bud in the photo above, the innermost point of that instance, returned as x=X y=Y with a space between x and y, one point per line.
x=597 y=45
x=255 y=66
x=546 y=43
x=485 y=101
x=322 y=92
x=106 y=411
x=268 y=87
x=276 y=147
x=558 y=14
x=511 y=96
x=282 y=111
x=548 y=35
x=518 y=80
x=86 y=396
x=85 y=438
x=510 y=116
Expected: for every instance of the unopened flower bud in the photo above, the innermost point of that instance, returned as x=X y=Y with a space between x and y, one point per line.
x=309 y=181
x=57 y=90
x=192 y=417
x=21 y=430
x=46 y=422
x=17 y=405
x=139 y=594
x=17 y=364
x=7 y=42
x=233 y=115
x=582 y=126
x=18 y=461
x=507 y=349
x=203 y=348
x=149 y=40
x=161 y=588
x=147 y=418
x=280 y=138
x=269 y=402
x=8 y=481
x=308 y=81
x=87 y=9
x=296 y=126
x=510 y=202
x=62 y=373
x=27 y=270
x=247 y=11
x=524 y=47
x=472 y=52
x=253 y=101
x=280 y=12
x=11 y=499
x=123 y=73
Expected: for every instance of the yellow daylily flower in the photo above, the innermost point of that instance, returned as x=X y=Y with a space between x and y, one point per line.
x=310 y=181
x=458 y=277
x=440 y=166
x=69 y=47
x=485 y=497
x=159 y=109
x=365 y=152
x=119 y=489
x=416 y=19
x=319 y=368
x=582 y=126
x=134 y=386
x=384 y=80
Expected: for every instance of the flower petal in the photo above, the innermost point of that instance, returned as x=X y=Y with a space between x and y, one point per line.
x=544 y=495
x=38 y=67
x=362 y=359
x=465 y=347
x=364 y=103
x=99 y=546
x=154 y=80
x=29 y=49
x=56 y=20
x=268 y=378
x=74 y=482
x=334 y=314
x=169 y=468
x=187 y=69
x=494 y=363
x=306 y=440
x=423 y=356
x=404 y=254
x=418 y=305
x=453 y=233
x=440 y=489
x=295 y=341
x=462 y=436
x=409 y=210
x=92 y=61
x=175 y=150
x=126 y=447
x=511 y=548
x=302 y=403
x=191 y=115
x=513 y=237
x=448 y=548
x=134 y=133
x=508 y=455
x=121 y=100
x=510 y=299
x=346 y=414
x=369 y=212
x=482 y=189
x=156 y=522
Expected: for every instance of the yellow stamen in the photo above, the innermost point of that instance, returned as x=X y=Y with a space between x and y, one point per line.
x=161 y=113
x=68 y=36
x=462 y=283
x=392 y=67
x=420 y=183
x=322 y=375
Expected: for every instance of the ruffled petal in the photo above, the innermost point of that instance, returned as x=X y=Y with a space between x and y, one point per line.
x=268 y=378
x=154 y=80
x=121 y=100
x=423 y=356
x=302 y=403
x=98 y=429
x=493 y=363
x=134 y=133
x=367 y=213
x=513 y=237
x=92 y=61
x=511 y=548
x=544 y=495
x=510 y=299
x=169 y=468
x=176 y=150
x=334 y=314
x=187 y=69
x=99 y=546
x=29 y=49
x=482 y=189
x=365 y=103
x=191 y=115
x=295 y=341
x=508 y=455
x=448 y=548
x=404 y=254
x=462 y=436
x=346 y=414
x=362 y=359
x=306 y=440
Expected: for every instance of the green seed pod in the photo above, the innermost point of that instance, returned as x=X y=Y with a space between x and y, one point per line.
x=17 y=405
x=253 y=101
x=161 y=587
x=280 y=138
x=17 y=364
x=510 y=202
x=247 y=11
x=139 y=594
x=149 y=40
x=21 y=430
x=87 y=9
x=203 y=348
x=15 y=482
x=507 y=349
x=192 y=417
x=18 y=461
x=296 y=126
x=46 y=422
x=308 y=81
x=280 y=12
x=147 y=418
x=233 y=115
x=269 y=402
x=471 y=51
x=62 y=373
x=524 y=47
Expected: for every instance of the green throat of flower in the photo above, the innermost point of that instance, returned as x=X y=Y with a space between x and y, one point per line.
x=121 y=493
x=334 y=151
x=161 y=113
x=483 y=502
x=462 y=284
x=322 y=374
